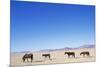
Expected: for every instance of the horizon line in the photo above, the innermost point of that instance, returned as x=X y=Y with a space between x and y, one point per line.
x=55 y=48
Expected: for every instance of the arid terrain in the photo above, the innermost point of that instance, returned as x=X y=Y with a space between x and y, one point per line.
x=56 y=56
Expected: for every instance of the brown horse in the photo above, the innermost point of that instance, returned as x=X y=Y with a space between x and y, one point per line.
x=27 y=56
x=46 y=55
x=70 y=54
x=85 y=53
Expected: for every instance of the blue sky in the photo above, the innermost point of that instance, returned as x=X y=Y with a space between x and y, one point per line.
x=37 y=26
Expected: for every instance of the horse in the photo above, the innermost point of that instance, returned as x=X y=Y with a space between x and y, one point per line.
x=46 y=55
x=85 y=53
x=27 y=56
x=70 y=54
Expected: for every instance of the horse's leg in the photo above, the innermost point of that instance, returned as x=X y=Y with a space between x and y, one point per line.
x=83 y=55
x=46 y=57
x=88 y=55
x=27 y=60
x=31 y=59
x=68 y=56
x=49 y=57
x=74 y=55
x=23 y=60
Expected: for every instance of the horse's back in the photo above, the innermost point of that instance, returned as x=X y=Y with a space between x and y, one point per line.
x=45 y=54
x=86 y=52
x=69 y=53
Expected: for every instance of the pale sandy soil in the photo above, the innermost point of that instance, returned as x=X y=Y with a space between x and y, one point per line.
x=56 y=56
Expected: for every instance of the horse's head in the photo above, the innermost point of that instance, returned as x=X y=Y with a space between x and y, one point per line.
x=66 y=53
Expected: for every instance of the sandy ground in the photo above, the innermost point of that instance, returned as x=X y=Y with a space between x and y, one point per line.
x=57 y=57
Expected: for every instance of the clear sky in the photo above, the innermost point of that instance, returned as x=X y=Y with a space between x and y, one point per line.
x=37 y=26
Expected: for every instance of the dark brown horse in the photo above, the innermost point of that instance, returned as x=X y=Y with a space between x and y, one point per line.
x=27 y=56
x=70 y=54
x=85 y=53
x=46 y=55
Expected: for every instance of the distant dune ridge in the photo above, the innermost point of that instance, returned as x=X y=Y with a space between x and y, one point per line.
x=66 y=48
x=69 y=48
x=87 y=46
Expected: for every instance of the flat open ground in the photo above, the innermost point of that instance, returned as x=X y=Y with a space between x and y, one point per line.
x=56 y=57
